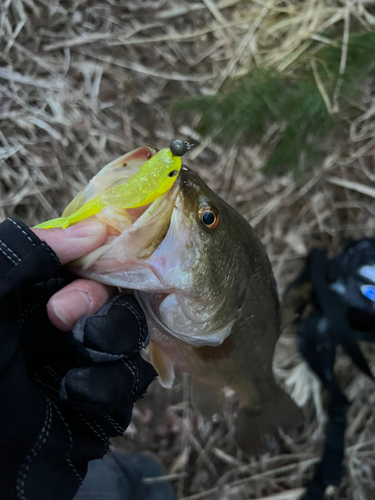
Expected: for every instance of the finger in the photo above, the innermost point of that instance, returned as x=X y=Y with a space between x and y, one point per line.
x=75 y=300
x=75 y=241
x=110 y=384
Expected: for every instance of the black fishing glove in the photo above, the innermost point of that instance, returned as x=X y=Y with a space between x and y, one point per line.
x=62 y=394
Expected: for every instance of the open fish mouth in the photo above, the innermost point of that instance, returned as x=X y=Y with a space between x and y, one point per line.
x=133 y=236
x=148 y=257
x=157 y=255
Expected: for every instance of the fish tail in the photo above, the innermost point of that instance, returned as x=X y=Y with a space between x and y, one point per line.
x=258 y=429
x=61 y=222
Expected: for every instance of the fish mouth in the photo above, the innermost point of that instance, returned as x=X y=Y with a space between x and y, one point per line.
x=156 y=257
x=132 y=237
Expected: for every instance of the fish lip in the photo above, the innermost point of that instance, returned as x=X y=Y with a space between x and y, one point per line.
x=183 y=176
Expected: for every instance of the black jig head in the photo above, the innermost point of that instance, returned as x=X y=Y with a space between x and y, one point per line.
x=179 y=148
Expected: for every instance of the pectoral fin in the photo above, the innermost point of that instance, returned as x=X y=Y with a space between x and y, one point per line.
x=207 y=400
x=162 y=364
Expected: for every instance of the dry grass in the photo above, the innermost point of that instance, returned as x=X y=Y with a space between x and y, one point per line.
x=83 y=82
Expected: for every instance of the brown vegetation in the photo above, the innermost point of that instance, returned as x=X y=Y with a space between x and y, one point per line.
x=83 y=82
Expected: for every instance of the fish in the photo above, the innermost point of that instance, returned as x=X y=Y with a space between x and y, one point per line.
x=203 y=278
x=154 y=177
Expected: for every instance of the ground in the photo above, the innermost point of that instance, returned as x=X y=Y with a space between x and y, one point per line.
x=83 y=82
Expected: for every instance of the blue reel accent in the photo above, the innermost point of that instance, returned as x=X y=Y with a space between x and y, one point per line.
x=369 y=292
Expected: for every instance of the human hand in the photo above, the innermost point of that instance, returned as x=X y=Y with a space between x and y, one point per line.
x=64 y=389
x=82 y=296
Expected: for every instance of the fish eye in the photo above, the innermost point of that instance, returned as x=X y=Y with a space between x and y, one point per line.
x=173 y=173
x=209 y=216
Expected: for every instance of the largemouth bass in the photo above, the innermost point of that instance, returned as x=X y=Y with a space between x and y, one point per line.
x=204 y=280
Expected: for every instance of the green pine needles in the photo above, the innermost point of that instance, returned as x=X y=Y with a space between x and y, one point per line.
x=308 y=100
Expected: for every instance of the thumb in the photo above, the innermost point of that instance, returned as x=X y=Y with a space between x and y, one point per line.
x=75 y=241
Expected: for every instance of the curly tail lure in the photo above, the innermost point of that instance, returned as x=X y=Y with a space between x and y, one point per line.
x=154 y=178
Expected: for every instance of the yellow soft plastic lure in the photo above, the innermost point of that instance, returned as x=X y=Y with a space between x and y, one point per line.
x=154 y=178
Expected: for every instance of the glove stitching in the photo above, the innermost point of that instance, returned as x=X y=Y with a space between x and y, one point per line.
x=51 y=252
x=27 y=311
x=49 y=249
x=136 y=376
x=58 y=379
x=51 y=372
x=142 y=328
x=25 y=467
x=104 y=439
x=116 y=426
x=8 y=257
x=69 y=462
x=10 y=250
x=22 y=231
x=130 y=366
x=37 y=379
x=48 y=371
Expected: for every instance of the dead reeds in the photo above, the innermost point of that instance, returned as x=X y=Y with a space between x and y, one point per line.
x=81 y=83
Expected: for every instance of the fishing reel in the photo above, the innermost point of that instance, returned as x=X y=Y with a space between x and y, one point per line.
x=352 y=278
x=342 y=299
